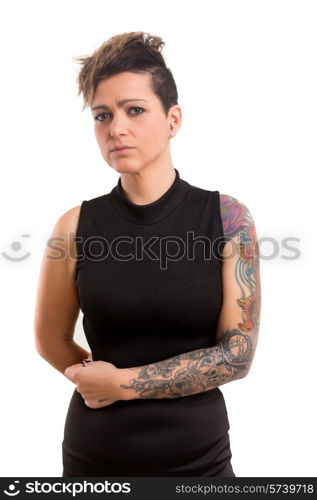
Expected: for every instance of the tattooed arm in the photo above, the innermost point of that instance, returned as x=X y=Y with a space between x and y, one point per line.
x=237 y=330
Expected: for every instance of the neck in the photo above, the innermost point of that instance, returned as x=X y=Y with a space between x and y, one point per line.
x=148 y=184
x=154 y=211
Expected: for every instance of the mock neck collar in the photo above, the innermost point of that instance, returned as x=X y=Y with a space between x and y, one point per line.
x=149 y=213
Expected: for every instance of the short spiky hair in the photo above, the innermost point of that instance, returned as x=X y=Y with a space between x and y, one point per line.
x=136 y=51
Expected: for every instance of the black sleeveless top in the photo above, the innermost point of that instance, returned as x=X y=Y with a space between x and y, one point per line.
x=150 y=287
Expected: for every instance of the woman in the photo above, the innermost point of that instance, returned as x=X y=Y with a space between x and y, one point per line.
x=167 y=277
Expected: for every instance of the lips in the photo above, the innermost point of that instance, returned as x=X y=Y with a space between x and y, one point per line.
x=120 y=148
x=121 y=152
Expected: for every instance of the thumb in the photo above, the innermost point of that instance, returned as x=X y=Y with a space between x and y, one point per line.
x=70 y=371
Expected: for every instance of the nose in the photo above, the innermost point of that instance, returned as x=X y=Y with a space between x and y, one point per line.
x=117 y=125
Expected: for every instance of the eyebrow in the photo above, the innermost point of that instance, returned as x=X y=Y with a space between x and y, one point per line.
x=119 y=103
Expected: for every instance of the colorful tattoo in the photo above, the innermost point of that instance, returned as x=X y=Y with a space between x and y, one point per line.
x=231 y=358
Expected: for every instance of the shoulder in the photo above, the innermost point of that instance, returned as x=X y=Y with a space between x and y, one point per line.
x=68 y=221
x=63 y=236
x=234 y=215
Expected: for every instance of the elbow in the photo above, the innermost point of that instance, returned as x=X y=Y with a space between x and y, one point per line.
x=37 y=344
x=247 y=369
x=50 y=343
x=242 y=370
x=40 y=349
x=38 y=340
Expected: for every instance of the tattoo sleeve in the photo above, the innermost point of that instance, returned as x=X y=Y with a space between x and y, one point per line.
x=230 y=359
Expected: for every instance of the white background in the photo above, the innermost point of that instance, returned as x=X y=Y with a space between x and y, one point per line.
x=246 y=77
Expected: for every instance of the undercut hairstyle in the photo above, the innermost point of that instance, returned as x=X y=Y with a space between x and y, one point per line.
x=137 y=52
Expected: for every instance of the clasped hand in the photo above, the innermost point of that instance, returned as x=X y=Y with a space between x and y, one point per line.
x=95 y=382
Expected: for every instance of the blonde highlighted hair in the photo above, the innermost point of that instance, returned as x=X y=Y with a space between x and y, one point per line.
x=135 y=51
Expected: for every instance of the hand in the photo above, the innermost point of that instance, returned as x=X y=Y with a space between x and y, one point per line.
x=96 y=382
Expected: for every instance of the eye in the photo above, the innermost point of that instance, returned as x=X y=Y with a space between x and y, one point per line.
x=100 y=114
x=137 y=107
x=105 y=114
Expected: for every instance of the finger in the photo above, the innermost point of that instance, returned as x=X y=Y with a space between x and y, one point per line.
x=71 y=370
x=68 y=372
x=93 y=404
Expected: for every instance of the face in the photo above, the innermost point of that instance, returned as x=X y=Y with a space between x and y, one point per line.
x=138 y=122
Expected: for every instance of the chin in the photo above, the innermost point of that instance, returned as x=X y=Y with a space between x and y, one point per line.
x=126 y=168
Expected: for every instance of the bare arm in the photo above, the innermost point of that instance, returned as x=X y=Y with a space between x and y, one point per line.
x=57 y=304
x=237 y=330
